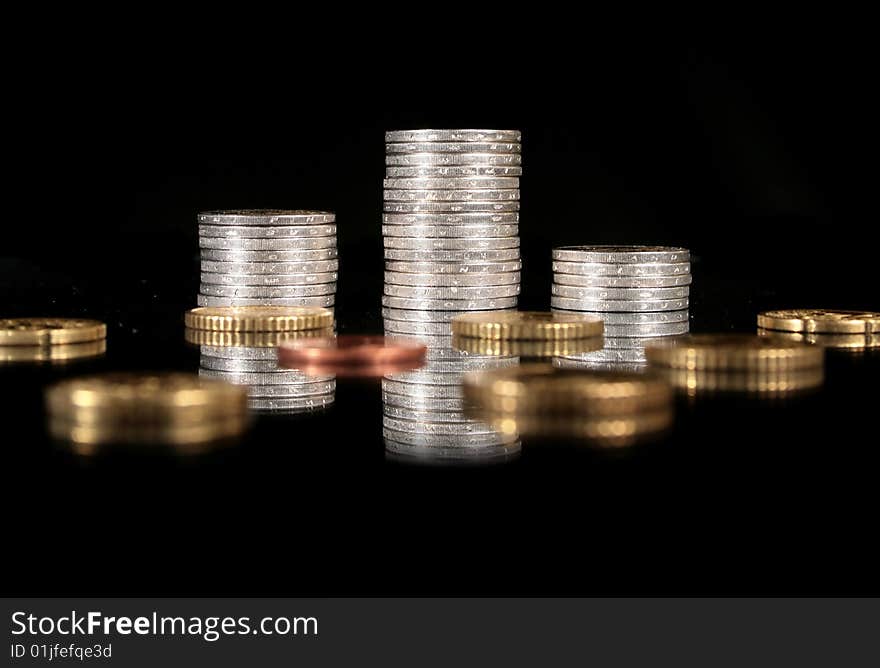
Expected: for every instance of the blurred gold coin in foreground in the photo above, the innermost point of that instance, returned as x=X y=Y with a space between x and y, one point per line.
x=733 y=352
x=49 y=331
x=258 y=318
x=761 y=383
x=528 y=325
x=825 y=321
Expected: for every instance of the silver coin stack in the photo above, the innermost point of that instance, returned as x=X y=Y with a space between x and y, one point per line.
x=425 y=417
x=268 y=257
x=640 y=292
x=270 y=388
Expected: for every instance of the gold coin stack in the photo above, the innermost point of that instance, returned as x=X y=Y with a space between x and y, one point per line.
x=604 y=408
x=854 y=331
x=53 y=340
x=178 y=410
x=239 y=345
x=707 y=363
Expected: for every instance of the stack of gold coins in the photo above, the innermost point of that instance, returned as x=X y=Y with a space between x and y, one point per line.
x=175 y=409
x=854 y=331
x=706 y=363
x=527 y=333
x=51 y=339
x=240 y=345
x=604 y=408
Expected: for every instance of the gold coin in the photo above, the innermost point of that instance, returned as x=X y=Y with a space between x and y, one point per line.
x=189 y=439
x=522 y=348
x=65 y=352
x=160 y=399
x=729 y=352
x=542 y=388
x=694 y=381
x=258 y=318
x=203 y=337
x=825 y=321
x=529 y=325
x=49 y=331
x=854 y=342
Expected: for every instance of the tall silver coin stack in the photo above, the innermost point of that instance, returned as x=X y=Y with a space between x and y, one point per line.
x=641 y=293
x=267 y=257
x=451 y=234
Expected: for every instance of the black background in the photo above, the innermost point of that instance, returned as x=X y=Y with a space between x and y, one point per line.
x=751 y=156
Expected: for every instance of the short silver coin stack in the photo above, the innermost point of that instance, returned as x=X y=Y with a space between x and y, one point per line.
x=640 y=292
x=451 y=235
x=268 y=258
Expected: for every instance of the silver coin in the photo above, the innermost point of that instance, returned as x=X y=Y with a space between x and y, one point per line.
x=647 y=329
x=450 y=207
x=288 y=245
x=600 y=365
x=470 y=147
x=428 y=244
x=268 y=280
x=290 y=390
x=247 y=366
x=622 y=254
x=425 y=196
x=432 y=455
x=450 y=172
x=451 y=231
x=465 y=256
x=277 y=232
x=630 y=342
x=466 y=135
x=294 y=385
x=451 y=291
x=240 y=352
x=455 y=428
x=622 y=281
x=453 y=183
x=417 y=327
x=636 y=355
x=325 y=301
x=424 y=403
x=603 y=305
x=433 y=219
x=426 y=158
x=491 y=438
x=463 y=364
x=263 y=256
x=280 y=270
x=630 y=270
x=266 y=217
x=422 y=378
x=450 y=304
x=419 y=316
x=639 y=318
x=428 y=391
x=261 y=292
x=577 y=292
x=454 y=268
x=293 y=404
x=449 y=280
x=406 y=413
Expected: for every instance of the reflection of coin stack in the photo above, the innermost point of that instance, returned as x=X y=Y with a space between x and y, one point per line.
x=424 y=411
x=268 y=257
x=250 y=358
x=640 y=292
x=51 y=340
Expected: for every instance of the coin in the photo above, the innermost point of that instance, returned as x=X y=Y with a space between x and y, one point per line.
x=696 y=382
x=825 y=321
x=526 y=348
x=49 y=331
x=279 y=269
x=454 y=268
x=275 y=232
x=592 y=365
x=427 y=158
x=854 y=342
x=636 y=294
x=245 y=365
x=405 y=413
x=449 y=304
x=323 y=301
x=618 y=305
x=434 y=219
x=635 y=318
x=634 y=355
x=418 y=315
x=622 y=254
x=453 y=135
x=418 y=402
x=455 y=245
x=295 y=390
x=287 y=244
x=454 y=183
x=463 y=256
x=247 y=340
x=626 y=282
x=53 y=354
x=267 y=292
x=469 y=148
x=436 y=428
x=428 y=196
x=259 y=319
x=287 y=383
x=451 y=207
x=266 y=217
x=733 y=352
x=89 y=440
x=416 y=327
x=433 y=391
x=451 y=231
x=527 y=325
x=268 y=280
x=264 y=257
x=450 y=172
x=463 y=441
x=650 y=329
x=622 y=270
x=352 y=350
x=452 y=292
x=292 y=404
x=452 y=280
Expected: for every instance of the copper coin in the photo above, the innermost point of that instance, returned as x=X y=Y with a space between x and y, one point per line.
x=351 y=351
